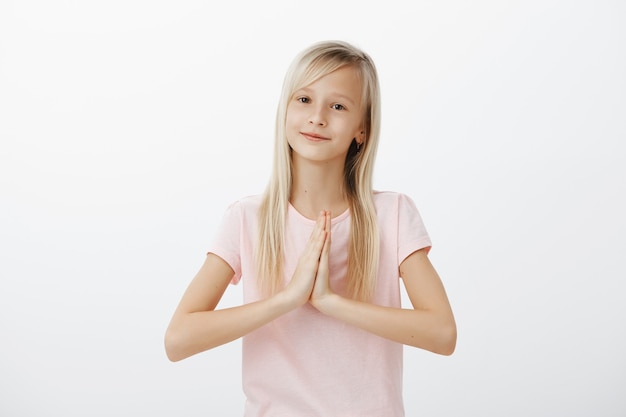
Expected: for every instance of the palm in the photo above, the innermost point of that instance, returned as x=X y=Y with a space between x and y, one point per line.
x=321 y=286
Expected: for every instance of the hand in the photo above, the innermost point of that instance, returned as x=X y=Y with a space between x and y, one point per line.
x=321 y=288
x=301 y=285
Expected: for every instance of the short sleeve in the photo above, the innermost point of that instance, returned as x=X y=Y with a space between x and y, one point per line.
x=227 y=241
x=412 y=234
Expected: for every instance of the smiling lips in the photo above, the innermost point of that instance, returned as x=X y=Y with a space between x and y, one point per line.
x=314 y=137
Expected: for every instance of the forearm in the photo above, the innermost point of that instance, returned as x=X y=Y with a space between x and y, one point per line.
x=431 y=330
x=195 y=332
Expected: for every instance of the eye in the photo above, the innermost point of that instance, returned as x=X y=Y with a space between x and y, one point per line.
x=338 y=107
x=303 y=99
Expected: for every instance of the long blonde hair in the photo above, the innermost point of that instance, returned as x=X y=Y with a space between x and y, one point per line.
x=310 y=65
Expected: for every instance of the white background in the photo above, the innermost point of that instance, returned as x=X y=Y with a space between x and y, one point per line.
x=127 y=127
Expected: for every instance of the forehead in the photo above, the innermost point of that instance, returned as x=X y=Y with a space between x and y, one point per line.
x=345 y=82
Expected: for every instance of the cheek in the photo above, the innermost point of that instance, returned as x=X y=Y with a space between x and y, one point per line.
x=291 y=125
x=351 y=128
x=291 y=118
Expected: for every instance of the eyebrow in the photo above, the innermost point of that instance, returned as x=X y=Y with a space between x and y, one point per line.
x=337 y=95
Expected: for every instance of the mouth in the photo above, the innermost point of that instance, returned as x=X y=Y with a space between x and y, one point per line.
x=314 y=136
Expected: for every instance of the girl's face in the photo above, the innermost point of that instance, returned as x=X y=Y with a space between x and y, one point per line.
x=324 y=117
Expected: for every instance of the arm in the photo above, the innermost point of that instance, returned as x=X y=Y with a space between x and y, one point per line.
x=197 y=326
x=429 y=325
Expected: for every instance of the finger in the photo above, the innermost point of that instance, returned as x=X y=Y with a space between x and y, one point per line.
x=318 y=227
x=328 y=221
x=325 y=249
x=316 y=241
x=327 y=227
x=324 y=262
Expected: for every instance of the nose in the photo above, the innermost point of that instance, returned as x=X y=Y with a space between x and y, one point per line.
x=317 y=117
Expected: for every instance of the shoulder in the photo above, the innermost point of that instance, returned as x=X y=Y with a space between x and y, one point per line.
x=251 y=202
x=400 y=220
x=391 y=200
x=243 y=210
x=247 y=204
x=394 y=205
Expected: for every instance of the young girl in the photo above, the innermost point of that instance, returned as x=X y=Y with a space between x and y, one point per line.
x=320 y=255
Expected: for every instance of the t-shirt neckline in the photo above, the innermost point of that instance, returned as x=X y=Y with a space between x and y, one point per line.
x=302 y=218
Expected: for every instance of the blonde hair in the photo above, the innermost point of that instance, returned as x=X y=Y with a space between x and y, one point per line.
x=310 y=65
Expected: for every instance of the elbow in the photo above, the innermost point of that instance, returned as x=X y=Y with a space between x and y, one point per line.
x=440 y=340
x=173 y=346
x=447 y=340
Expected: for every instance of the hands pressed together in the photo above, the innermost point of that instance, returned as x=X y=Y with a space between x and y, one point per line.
x=197 y=326
x=310 y=281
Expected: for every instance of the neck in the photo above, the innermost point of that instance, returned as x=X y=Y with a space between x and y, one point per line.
x=317 y=187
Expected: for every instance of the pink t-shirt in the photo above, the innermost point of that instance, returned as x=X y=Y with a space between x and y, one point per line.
x=306 y=363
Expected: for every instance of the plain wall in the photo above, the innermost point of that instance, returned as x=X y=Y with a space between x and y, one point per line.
x=128 y=127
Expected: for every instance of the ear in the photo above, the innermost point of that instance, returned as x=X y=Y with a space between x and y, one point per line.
x=360 y=137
